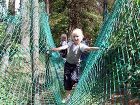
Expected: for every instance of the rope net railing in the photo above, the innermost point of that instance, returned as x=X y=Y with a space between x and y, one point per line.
x=29 y=71
x=32 y=75
x=112 y=75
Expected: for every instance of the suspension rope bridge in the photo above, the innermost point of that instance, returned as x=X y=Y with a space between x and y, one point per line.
x=30 y=74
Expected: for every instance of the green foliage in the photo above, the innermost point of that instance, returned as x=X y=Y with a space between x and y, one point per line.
x=2 y=31
x=59 y=25
x=2 y=35
x=137 y=1
x=124 y=30
x=9 y=89
x=58 y=6
x=126 y=37
x=59 y=20
x=91 y=23
x=91 y=19
x=15 y=52
x=110 y=4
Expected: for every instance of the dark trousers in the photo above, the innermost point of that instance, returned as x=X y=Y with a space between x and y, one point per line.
x=71 y=75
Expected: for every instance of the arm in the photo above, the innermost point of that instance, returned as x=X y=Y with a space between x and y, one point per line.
x=56 y=49
x=60 y=48
x=91 y=48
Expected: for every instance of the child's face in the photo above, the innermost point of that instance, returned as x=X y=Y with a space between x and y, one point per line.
x=77 y=38
x=63 y=38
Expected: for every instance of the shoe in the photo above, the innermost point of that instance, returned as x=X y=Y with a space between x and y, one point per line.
x=66 y=100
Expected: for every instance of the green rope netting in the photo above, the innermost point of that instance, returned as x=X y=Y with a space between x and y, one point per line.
x=22 y=82
x=54 y=61
x=33 y=75
x=112 y=75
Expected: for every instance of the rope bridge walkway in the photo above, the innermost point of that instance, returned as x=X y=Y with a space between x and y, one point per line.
x=30 y=74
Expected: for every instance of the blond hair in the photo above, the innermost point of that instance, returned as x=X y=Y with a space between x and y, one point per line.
x=63 y=37
x=79 y=32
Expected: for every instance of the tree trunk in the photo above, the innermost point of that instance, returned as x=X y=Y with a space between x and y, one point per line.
x=7 y=39
x=35 y=31
x=74 y=14
x=11 y=7
x=35 y=53
x=99 y=7
x=104 y=9
x=25 y=30
x=7 y=45
x=47 y=6
x=5 y=62
x=3 y=10
x=50 y=6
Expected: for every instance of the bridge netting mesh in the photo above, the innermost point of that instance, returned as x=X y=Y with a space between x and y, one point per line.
x=33 y=75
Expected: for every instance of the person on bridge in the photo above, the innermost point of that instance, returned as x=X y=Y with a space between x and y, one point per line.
x=63 y=42
x=75 y=48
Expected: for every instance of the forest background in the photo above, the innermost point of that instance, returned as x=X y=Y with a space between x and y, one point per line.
x=65 y=15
